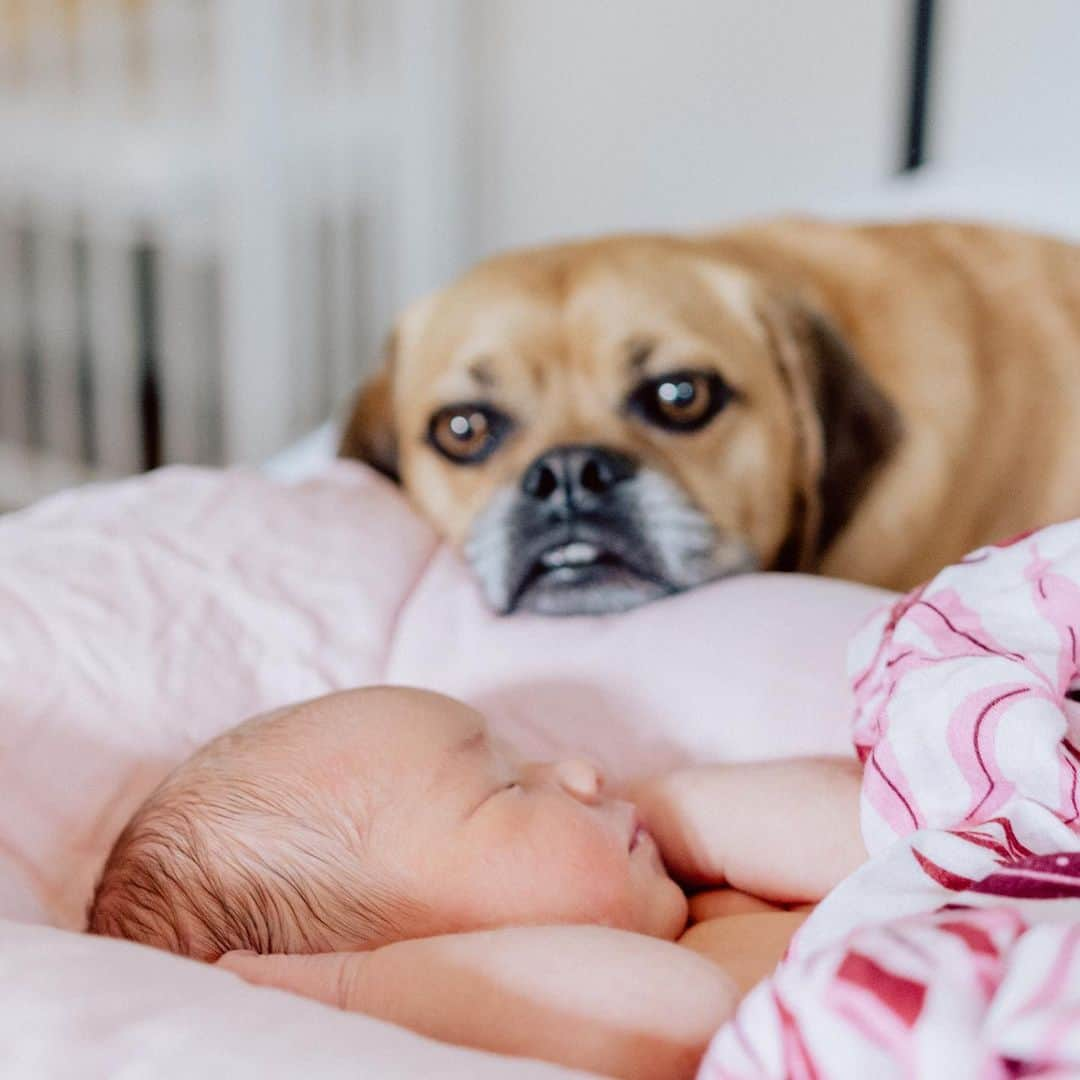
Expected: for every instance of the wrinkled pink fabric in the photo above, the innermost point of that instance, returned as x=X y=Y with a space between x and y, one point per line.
x=139 y=620
x=955 y=951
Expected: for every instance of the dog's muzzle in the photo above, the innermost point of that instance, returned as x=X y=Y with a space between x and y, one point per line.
x=588 y=531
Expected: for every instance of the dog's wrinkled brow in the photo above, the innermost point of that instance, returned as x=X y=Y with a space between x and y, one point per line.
x=481 y=373
x=638 y=351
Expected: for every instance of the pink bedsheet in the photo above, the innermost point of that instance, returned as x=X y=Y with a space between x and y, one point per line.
x=138 y=620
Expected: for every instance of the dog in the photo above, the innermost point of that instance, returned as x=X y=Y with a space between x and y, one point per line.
x=601 y=423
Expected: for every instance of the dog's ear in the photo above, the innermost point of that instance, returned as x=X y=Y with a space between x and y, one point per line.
x=846 y=425
x=370 y=434
x=371 y=431
x=861 y=426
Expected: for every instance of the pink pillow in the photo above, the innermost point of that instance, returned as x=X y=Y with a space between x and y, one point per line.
x=141 y=619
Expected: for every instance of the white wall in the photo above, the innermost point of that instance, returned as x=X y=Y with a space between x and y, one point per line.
x=592 y=115
x=1009 y=91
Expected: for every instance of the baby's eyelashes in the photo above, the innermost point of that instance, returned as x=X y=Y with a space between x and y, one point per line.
x=505 y=787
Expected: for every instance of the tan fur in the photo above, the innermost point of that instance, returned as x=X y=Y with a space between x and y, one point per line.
x=971 y=333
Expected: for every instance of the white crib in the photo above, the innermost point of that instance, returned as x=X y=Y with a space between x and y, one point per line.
x=209 y=210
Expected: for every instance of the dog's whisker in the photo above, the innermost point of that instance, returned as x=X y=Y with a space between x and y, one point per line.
x=660 y=512
x=680 y=521
x=666 y=513
x=684 y=532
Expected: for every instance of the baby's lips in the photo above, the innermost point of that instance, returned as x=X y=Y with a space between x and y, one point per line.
x=631 y=823
x=641 y=798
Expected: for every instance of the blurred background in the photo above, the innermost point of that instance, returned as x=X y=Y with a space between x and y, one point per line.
x=211 y=209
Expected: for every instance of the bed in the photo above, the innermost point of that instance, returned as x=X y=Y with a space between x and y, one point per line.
x=142 y=618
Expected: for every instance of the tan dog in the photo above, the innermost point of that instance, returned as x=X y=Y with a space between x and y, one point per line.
x=601 y=423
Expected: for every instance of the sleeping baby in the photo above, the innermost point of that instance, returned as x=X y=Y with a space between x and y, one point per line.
x=430 y=877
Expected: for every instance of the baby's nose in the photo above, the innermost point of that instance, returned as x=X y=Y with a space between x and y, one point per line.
x=580 y=778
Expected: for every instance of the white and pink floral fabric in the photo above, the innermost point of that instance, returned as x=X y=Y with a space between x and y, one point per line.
x=955 y=950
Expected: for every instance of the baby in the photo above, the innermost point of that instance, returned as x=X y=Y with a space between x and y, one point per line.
x=509 y=905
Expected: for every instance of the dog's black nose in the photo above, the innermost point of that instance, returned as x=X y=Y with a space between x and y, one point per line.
x=576 y=475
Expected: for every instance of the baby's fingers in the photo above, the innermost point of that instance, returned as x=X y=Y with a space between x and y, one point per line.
x=720 y=903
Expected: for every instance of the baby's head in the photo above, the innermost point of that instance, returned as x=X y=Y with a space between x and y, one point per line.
x=372 y=816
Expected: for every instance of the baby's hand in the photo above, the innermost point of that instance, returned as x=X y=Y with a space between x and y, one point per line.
x=662 y=805
x=748 y=946
x=787 y=831
x=724 y=903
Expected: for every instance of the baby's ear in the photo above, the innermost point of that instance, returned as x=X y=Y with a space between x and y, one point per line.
x=371 y=433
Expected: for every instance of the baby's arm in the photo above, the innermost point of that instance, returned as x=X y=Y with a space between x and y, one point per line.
x=587 y=997
x=787 y=831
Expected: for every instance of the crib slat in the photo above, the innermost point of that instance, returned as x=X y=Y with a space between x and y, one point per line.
x=13 y=429
x=309 y=300
x=345 y=303
x=56 y=334
x=48 y=56
x=148 y=348
x=179 y=57
x=340 y=304
x=12 y=47
x=104 y=41
x=113 y=355
x=190 y=359
x=371 y=234
x=254 y=67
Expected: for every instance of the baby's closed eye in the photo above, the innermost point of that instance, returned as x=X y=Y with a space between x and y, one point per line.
x=501 y=789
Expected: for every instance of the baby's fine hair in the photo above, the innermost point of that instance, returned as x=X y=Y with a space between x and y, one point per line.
x=227 y=855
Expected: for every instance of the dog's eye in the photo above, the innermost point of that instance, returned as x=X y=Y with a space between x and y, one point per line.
x=467 y=433
x=680 y=400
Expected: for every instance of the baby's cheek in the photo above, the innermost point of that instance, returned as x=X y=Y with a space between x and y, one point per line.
x=561 y=871
x=553 y=864
x=600 y=880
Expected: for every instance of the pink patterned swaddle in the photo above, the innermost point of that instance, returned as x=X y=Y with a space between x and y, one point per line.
x=953 y=951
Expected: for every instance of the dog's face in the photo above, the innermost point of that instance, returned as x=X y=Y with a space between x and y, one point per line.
x=598 y=426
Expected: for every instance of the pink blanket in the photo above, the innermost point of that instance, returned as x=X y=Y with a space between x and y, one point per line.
x=954 y=951
x=139 y=620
